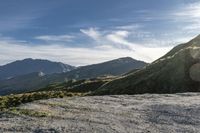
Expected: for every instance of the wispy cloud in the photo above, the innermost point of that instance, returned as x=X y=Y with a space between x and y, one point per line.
x=192 y=27
x=22 y=15
x=115 y=38
x=60 y=38
x=16 y=22
x=125 y=39
x=144 y=34
x=119 y=38
x=191 y=10
x=105 y=45
x=12 y=50
x=91 y=32
x=189 y=16
x=129 y=27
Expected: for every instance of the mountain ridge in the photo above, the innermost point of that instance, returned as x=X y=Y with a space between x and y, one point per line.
x=177 y=71
x=29 y=65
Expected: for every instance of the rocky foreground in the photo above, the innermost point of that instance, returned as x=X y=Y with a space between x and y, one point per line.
x=100 y=114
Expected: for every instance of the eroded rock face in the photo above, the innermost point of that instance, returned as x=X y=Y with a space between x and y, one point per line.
x=123 y=114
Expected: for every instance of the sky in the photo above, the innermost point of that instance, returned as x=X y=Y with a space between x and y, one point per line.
x=82 y=32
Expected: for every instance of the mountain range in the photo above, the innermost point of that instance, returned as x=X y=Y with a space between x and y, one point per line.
x=36 y=80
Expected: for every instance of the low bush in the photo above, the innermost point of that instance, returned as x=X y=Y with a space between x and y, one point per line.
x=15 y=100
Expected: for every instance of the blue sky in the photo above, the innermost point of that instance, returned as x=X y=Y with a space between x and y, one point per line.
x=81 y=32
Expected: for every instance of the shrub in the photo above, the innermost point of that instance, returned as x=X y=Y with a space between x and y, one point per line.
x=15 y=100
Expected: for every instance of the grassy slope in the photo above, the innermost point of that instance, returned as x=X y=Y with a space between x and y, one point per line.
x=169 y=74
x=82 y=86
x=57 y=90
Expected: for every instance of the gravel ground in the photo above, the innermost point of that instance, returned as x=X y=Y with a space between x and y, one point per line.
x=113 y=114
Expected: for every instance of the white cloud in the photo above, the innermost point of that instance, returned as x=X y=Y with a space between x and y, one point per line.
x=75 y=56
x=192 y=27
x=122 y=33
x=91 y=32
x=119 y=38
x=15 y=50
x=105 y=45
x=129 y=27
x=116 y=38
x=189 y=15
x=62 y=38
x=190 y=11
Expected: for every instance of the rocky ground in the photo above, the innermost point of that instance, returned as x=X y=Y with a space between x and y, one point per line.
x=118 y=114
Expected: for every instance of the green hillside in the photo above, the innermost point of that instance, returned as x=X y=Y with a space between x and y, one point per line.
x=175 y=72
x=79 y=86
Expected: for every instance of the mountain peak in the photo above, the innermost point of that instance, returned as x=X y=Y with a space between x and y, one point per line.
x=126 y=58
x=27 y=59
x=29 y=65
x=129 y=59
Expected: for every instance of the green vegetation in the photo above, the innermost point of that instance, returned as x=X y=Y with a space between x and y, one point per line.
x=28 y=112
x=87 y=86
x=57 y=90
x=62 y=86
x=78 y=86
x=15 y=100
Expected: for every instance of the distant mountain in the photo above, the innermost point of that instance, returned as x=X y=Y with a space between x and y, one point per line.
x=113 y=67
x=35 y=81
x=177 y=71
x=27 y=66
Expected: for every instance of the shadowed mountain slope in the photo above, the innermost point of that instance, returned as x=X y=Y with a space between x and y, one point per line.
x=113 y=67
x=177 y=71
x=27 y=66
